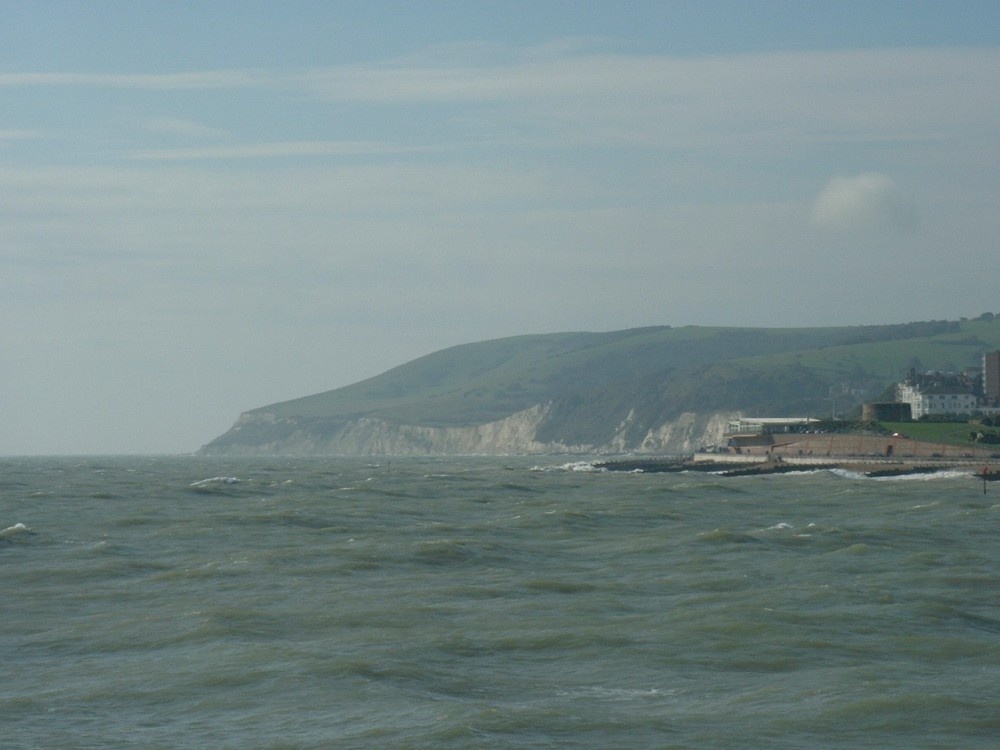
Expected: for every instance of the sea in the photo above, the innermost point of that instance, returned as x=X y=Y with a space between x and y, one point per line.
x=485 y=602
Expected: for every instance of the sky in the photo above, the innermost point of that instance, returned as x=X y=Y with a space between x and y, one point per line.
x=207 y=207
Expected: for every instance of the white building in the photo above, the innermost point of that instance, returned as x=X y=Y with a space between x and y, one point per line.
x=935 y=401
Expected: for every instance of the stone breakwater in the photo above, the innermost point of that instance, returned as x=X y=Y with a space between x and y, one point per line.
x=720 y=466
x=871 y=455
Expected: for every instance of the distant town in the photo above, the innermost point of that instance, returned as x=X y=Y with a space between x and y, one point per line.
x=766 y=445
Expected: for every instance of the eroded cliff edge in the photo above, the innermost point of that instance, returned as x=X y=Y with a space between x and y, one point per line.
x=266 y=433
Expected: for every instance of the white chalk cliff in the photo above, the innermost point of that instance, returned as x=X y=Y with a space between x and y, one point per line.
x=264 y=433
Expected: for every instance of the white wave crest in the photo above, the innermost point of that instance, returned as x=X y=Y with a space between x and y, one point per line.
x=847 y=474
x=215 y=481
x=585 y=466
x=927 y=477
x=920 y=476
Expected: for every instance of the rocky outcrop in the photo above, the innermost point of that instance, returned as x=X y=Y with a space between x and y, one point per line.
x=264 y=433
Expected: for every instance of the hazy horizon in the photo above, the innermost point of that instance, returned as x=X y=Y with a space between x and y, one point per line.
x=207 y=208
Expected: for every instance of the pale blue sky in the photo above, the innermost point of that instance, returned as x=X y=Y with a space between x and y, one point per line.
x=206 y=207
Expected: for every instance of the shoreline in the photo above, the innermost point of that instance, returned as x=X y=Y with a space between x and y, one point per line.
x=733 y=465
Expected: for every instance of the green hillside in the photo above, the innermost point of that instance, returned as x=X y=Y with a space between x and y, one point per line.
x=476 y=383
x=593 y=381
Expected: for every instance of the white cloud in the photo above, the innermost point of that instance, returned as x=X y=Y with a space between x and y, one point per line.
x=19 y=135
x=177 y=126
x=572 y=95
x=199 y=80
x=272 y=150
x=777 y=99
x=867 y=201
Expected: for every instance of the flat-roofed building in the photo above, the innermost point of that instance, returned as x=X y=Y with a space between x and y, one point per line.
x=768 y=425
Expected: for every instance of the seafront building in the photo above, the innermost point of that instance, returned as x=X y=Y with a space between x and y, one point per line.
x=946 y=398
x=937 y=393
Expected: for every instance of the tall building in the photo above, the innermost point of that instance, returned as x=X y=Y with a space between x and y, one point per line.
x=991 y=378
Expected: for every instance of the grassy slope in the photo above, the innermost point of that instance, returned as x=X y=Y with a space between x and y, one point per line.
x=952 y=433
x=474 y=383
x=891 y=359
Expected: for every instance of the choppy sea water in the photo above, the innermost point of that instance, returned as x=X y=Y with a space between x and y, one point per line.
x=492 y=603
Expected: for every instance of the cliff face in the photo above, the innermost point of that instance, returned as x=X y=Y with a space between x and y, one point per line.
x=264 y=433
